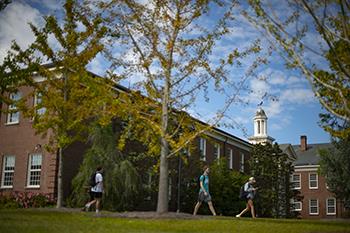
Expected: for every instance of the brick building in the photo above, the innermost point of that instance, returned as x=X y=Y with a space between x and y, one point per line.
x=317 y=201
x=27 y=167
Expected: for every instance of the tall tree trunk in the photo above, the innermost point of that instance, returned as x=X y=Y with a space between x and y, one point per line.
x=162 y=204
x=59 y=179
x=60 y=154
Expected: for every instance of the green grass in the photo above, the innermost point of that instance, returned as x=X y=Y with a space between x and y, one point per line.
x=37 y=221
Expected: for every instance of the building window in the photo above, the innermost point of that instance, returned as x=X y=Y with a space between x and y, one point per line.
x=313 y=181
x=38 y=99
x=13 y=114
x=263 y=127
x=202 y=149
x=34 y=170
x=241 y=163
x=258 y=127
x=186 y=152
x=296 y=181
x=296 y=205
x=231 y=159
x=217 y=151
x=331 y=206
x=8 y=171
x=313 y=207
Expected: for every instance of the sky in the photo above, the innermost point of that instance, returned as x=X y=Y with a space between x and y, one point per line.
x=291 y=107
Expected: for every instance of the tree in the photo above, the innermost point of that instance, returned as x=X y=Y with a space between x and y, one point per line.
x=122 y=186
x=291 y=34
x=335 y=166
x=224 y=188
x=69 y=98
x=171 y=50
x=272 y=169
x=4 y=3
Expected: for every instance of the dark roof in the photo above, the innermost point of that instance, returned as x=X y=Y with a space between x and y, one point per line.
x=125 y=89
x=289 y=150
x=311 y=156
x=260 y=112
x=284 y=147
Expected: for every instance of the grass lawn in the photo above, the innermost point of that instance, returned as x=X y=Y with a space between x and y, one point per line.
x=37 y=221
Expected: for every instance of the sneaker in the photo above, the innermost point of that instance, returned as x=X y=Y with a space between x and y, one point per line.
x=85 y=208
x=238 y=216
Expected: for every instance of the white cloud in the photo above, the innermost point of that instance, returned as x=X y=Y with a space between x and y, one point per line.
x=295 y=80
x=291 y=91
x=274 y=108
x=14 y=26
x=97 y=65
x=298 y=96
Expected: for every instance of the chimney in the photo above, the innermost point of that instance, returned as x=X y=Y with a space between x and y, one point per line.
x=303 y=143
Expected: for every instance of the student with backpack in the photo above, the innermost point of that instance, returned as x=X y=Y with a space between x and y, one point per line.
x=204 y=192
x=96 y=190
x=247 y=193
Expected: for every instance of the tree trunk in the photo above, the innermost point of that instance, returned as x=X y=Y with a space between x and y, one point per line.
x=60 y=153
x=59 y=179
x=162 y=204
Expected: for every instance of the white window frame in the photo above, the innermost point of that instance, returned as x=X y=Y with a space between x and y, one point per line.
x=231 y=159
x=12 y=171
x=317 y=206
x=30 y=170
x=38 y=100
x=296 y=181
x=9 y=121
x=217 y=151
x=187 y=152
x=315 y=187
x=334 y=206
x=241 y=162
x=293 y=202
x=202 y=149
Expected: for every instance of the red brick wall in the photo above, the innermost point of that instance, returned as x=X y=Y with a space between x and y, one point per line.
x=224 y=152
x=20 y=140
x=321 y=194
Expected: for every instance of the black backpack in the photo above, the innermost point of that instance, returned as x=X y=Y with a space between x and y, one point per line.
x=93 y=179
x=242 y=193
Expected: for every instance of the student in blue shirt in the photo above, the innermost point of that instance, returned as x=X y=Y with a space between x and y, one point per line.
x=203 y=194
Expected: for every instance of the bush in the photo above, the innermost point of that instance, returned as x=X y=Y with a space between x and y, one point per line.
x=224 y=188
x=26 y=200
x=8 y=202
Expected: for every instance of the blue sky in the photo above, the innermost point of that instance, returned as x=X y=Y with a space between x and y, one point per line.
x=294 y=113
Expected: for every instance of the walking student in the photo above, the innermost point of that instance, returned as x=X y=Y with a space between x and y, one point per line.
x=250 y=192
x=96 y=190
x=204 y=195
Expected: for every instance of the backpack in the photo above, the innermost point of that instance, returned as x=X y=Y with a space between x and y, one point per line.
x=93 y=179
x=242 y=193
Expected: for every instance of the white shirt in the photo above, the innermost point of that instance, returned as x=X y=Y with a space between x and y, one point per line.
x=98 y=188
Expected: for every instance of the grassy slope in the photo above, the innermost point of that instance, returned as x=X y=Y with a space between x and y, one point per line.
x=35 y=221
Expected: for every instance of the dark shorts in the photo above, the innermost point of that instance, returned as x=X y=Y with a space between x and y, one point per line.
x=250 y=196
x=95 y=194
x=202 y=197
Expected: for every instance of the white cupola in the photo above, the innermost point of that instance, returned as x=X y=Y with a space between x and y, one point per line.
x=260 y=123
x=260 y=128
